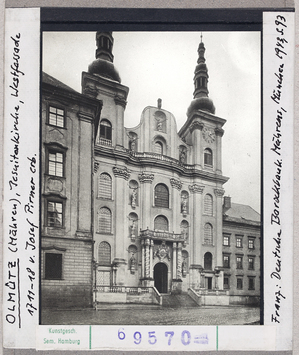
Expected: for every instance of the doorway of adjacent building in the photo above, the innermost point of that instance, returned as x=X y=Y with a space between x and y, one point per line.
x=209 y=283
x=160 y=277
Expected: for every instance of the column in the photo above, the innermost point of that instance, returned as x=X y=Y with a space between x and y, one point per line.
x=179 y=261
x=219 y=133
x=219 y=192
x=174 y=261
x=196 y=131
x=147 y=258
x=122 y=175
x=152 y=259
x=197 y=229
x=142 y=259
x=146 y=197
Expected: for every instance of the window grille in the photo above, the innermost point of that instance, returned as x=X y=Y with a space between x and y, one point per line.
x=208 y=157
x=161 y=196
x=104 y=220
x=158 y=148
x=105 y=132
x=161 y=223
x=208 y=234
x=105 y=186
x=208 y=205
x=104 y=254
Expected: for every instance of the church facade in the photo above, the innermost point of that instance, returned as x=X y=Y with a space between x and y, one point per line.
x=148 y=211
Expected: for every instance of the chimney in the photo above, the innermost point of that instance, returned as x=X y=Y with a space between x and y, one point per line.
x=227 y=202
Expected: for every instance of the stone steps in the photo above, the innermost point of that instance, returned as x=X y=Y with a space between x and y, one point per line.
x=178 y=301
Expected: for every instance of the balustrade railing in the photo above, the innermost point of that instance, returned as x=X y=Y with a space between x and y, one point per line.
x=121 y=289
x=164 y=235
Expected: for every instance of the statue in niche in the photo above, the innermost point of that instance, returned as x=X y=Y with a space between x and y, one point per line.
x=134 y=198
x=183 y=156
x=159 y=126
x=184 y=268
x=133 y=229
x=133 y=264
x=184 y=205
x=132 y=141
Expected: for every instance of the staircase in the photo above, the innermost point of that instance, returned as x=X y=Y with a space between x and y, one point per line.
x=182 y=300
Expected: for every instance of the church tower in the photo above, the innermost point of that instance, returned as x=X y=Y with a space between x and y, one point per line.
x=103 y=82
x=203 y=132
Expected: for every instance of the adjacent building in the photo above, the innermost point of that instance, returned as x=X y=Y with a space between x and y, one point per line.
x=139 y=211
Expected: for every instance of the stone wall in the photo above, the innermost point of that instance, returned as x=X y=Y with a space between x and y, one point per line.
x=75 y=287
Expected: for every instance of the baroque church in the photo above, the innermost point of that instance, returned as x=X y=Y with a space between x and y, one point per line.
x=132 y=214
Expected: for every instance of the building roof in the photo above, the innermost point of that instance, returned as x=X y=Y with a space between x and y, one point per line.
x=241 y=213
x=48 y=79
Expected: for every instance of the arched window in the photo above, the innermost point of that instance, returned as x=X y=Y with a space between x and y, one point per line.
x=161 y=223
x=105 y=132
x=104 y=220
x=161 y=196
x=208 y=205
x=184 y=202
x=185 y=229
x=208 y=261
x=105 y=186
x=133 y=193
x=208 y=234
x=208 y=157
x=158 y=148
x=104 y=255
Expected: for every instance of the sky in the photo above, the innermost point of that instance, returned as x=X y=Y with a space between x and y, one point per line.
x=161 y=65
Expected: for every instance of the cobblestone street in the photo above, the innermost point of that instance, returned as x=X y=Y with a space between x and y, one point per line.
x=154 y=315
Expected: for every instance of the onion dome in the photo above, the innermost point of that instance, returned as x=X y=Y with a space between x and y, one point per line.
x=103 y=65
x=201 y=99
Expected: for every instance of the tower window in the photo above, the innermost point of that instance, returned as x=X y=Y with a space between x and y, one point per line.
x=161 y=196
x=105 y=132
x=158 y=148
x=208 y=234
x=105 y=186
x=56 y=116
x=208 y=261
x=208 y=205
x=104 y=255
x=208 y=157
x=105 y=220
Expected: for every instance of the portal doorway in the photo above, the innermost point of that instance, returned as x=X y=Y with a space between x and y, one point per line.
x=160 y=277
x=208 y=283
